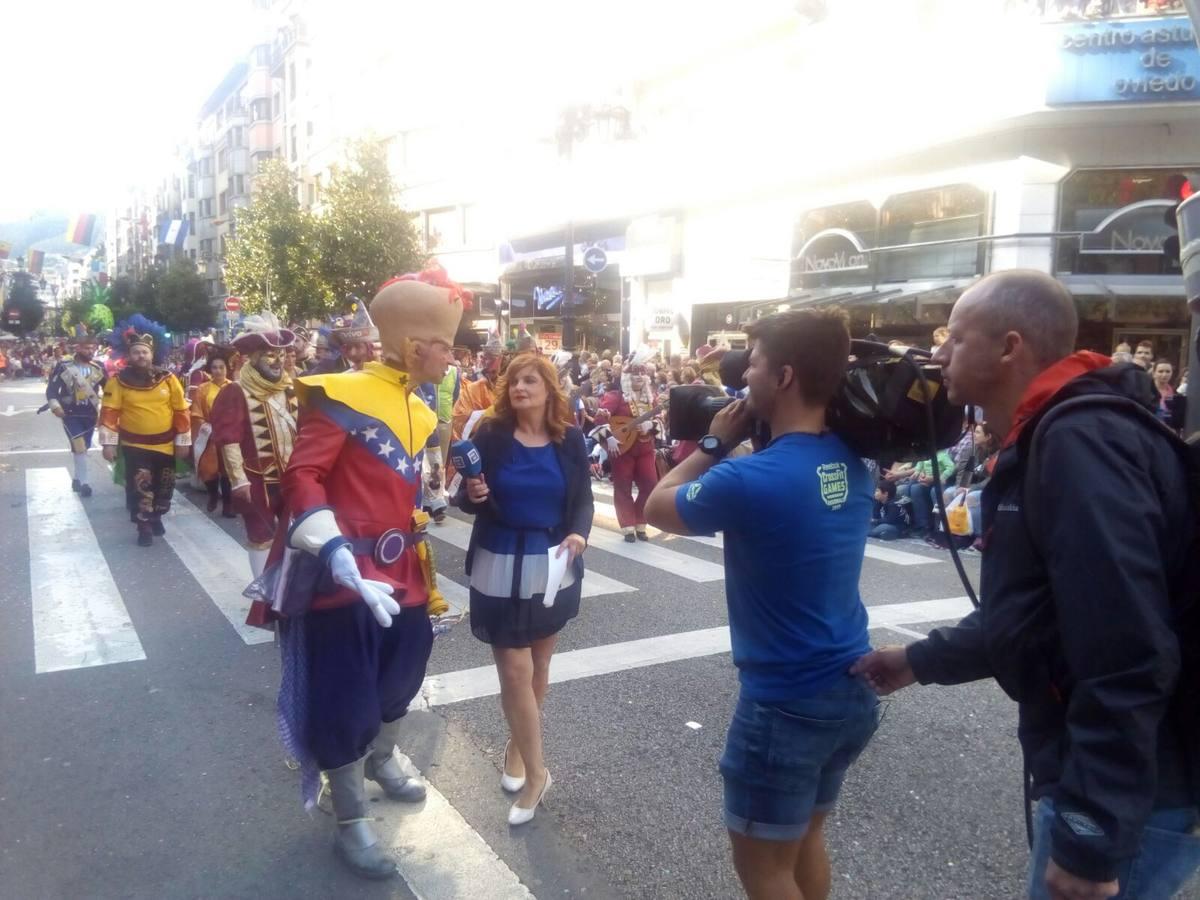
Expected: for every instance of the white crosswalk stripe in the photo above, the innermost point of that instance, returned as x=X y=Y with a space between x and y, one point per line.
x=79 y=616
x=104 y=634
x=457 y=533
x=217 y=562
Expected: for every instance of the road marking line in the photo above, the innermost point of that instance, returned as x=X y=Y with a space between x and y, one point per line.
x=899 y=557
x=457 y=533
x=680 y=564
x=217 y=562
x=908 y=632
x=79 y=617
x=456 y=595
x=441 y=857
x=49 y=450
x=471 y=684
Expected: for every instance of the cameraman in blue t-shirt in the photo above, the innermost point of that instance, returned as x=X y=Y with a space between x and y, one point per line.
x=795 y=516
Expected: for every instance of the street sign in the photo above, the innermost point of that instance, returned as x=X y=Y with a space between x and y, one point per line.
x=233 y=304
x=595 y=260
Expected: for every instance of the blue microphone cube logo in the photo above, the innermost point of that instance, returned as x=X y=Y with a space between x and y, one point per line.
x=473 y=457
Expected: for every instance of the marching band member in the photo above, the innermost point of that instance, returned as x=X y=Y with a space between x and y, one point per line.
x=634 y=465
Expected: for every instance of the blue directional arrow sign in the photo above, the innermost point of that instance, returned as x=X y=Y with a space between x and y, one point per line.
x=595 y=260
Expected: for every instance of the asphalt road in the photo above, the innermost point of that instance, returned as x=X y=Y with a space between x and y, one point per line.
x=163 y=777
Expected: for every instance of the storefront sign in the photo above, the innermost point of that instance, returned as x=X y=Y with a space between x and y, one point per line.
x=833 y=256
x=1140 y=228
x=1125 y=61
x=549 y=341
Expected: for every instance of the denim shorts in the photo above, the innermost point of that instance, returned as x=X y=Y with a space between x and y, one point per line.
x=1169 y=855
x=786 y=760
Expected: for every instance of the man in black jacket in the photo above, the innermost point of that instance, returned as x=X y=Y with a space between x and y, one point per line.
x=1076 y=616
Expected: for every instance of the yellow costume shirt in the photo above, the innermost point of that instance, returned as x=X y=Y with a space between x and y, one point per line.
x=149 y=417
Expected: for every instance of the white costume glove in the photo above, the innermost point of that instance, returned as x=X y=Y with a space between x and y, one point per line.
x=614 y=447
x=376 y=594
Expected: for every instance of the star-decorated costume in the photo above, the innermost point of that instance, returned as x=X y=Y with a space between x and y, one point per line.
x=254 y=430
x=144 y=413
x=351 y=578
x=73 y=394
x=636 y=465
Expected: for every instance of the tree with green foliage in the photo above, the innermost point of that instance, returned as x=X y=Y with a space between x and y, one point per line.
x=120 y=299
x=183 y=301
x=145 y=297
x=366 y=237
x=274 y=249
x=23 y=311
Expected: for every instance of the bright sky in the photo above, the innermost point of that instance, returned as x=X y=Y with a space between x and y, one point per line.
x=97 y=93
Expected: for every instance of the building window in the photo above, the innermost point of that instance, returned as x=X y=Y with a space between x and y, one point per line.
x=312 y=194
x=191 y=223
x=1125 y=216
x=237 y=185
x=276 y=105
x=943 y=213
x=192 y=254
x=222 y=159
x=237 y=136
x=310 y=129
x=291 y=81
x=262 y=55
x=260 y=110
x=191 y=186
x=206 y=208
x=292 y=133
x=205 y=166
x=443 y=229
x=221 y=203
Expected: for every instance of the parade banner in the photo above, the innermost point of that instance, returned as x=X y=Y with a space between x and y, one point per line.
x=36 y=258
x=81 y=229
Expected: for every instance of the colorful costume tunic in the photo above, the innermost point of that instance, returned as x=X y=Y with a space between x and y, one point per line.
x=146 y=414
x=207 y=459
x=75 y=388
x=254 y=428
x=358 y=454
x=634 y=466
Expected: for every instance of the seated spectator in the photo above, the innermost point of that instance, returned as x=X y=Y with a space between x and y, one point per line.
x=919 y=489
x=971 y=478
x=888 y=520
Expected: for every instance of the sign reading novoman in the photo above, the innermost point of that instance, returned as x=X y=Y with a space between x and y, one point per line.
x=1124 y=61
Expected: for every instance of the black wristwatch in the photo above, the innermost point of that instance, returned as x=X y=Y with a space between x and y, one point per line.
x=711 y=444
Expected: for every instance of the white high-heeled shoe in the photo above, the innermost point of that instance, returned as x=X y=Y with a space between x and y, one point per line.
x=509 y=783
x=519 y=815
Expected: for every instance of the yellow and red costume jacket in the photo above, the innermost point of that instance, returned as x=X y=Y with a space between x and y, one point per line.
x=150 y=414
x=358 y=455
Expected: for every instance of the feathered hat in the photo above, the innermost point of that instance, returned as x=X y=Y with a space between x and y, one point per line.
x=262 y=332
x=138 y=329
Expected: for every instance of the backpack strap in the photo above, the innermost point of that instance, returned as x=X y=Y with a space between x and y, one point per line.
x=1033 y=460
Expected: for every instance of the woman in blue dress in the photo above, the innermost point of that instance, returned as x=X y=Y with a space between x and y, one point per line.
x=534 y=496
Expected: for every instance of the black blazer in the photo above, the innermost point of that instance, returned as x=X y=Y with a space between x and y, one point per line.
x=494 y=439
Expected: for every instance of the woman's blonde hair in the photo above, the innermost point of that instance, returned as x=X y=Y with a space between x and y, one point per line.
x=558 y=415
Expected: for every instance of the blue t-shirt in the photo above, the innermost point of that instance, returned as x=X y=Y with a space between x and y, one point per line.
x=795 y=517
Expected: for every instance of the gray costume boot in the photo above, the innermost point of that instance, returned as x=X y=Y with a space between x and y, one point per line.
x=356 y=843
x=384 y=769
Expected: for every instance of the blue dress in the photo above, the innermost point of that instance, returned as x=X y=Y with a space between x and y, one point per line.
x=508 y=570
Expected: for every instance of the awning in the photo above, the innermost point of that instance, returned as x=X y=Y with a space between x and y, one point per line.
x=924 y=292
x=1113 y=286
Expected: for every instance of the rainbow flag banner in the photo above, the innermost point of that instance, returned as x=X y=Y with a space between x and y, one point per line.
x=5 y=249
x=81 y=229
x=36 y=258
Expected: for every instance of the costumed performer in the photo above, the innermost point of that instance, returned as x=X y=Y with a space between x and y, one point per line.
x=144 y=414
x=210 y=468
x=350 y=580
x=475 y=397
x=635 y=465
x=73 y=395
x=254 y=430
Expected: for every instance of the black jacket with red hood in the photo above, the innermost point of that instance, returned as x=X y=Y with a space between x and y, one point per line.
x=1078 y=627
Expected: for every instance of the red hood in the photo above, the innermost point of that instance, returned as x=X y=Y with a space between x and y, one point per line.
x=1048 y=383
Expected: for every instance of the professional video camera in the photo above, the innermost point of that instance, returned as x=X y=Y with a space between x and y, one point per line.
x=880 y=411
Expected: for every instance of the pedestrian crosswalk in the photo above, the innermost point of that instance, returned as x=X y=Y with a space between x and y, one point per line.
x=76 y=628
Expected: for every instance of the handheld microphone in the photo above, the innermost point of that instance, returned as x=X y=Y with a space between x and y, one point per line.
x=464 y=456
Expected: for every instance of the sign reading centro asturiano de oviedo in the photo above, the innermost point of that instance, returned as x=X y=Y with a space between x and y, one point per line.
x=1125 y=61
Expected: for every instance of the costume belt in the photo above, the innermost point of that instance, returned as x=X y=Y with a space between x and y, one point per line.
x=388 y=547
x=132 y=437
